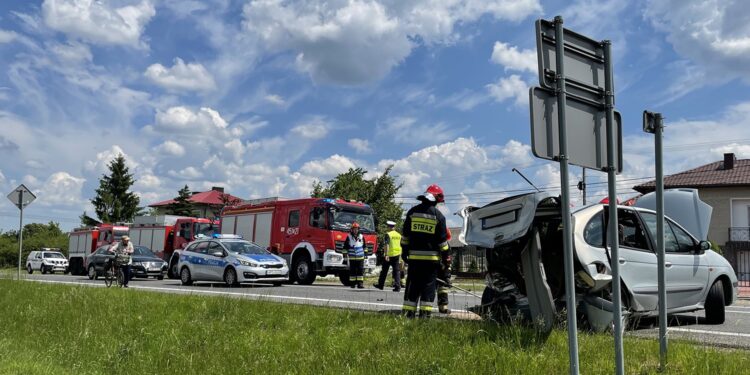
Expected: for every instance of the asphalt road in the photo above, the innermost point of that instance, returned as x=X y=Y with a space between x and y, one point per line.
x=735 y=332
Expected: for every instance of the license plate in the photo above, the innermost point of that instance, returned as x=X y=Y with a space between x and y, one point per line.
x=155 y=269
x=273 y=272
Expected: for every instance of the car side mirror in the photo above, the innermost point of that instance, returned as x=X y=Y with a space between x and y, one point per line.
x=704 y=245
x=218 y=254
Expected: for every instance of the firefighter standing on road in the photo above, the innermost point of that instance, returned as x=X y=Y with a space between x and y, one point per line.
x=355 y=246
x=392 y=258
x=424 y=242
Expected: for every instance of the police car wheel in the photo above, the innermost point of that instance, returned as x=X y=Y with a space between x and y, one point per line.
x=28 y=268
x=185 y=277
x=230 y=277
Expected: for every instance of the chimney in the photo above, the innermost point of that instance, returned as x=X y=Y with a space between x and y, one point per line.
x=729 y=160
x=218 y=188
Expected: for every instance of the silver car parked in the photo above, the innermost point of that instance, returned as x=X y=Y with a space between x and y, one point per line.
x=523 y=240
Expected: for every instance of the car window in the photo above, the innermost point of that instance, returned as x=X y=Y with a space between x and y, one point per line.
x=245 y=247
x=54 y=255
x=201 y=247
x=317 y=218
x=684 y=241
x=192 y=248
x=214 y=247
x=593 y=233
x=630 y=231
x=670 y=242
x=294 y=219
x=144 y=251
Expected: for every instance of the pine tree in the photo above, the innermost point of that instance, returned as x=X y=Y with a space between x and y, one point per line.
x=181 y=205
x=113 y=202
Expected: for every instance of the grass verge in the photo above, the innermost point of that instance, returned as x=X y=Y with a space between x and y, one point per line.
x=55 y=329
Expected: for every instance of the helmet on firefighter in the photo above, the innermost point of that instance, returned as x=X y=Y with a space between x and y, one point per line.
x=434 y=193
x=355 y=225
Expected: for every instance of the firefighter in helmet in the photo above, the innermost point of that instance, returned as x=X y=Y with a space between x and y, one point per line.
x=355 y=247
x=424 y=242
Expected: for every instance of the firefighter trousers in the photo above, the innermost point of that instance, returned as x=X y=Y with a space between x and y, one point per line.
x=444 y=273
x=394 y=263
x=420 y=288
x=356 y=271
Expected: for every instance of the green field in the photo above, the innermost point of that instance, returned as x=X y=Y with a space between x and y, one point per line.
x=51 y=329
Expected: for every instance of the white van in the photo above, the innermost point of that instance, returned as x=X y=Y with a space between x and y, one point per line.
x=47 y=260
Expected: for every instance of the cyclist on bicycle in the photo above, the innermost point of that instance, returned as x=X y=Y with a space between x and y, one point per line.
x=124 y=247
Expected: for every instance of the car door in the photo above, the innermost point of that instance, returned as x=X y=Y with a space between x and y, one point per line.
x=198 y=261
x=214 y=266
x=292 y=232
x=36 y=260
x=637 y=260
x=687 y=270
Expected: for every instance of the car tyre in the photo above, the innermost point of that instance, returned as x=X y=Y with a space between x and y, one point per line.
x=42 y=269
x=230 y=277
x=303 y=270
x=29 y=269
x=185 y=276
x=92 y=273
x=715 y=312
x=160 y=277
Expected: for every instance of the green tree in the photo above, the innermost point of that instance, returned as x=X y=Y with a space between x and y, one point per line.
x=88 y=221
x=35 y=236
x=226 y=201
x=379 y=192
x=182 y=206
x=113 y=202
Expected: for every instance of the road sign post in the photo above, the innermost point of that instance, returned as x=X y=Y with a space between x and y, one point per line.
x=21 y=197
x=653 y=123
x=576 y=76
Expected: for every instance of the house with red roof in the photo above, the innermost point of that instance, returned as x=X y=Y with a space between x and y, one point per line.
x=206 y=203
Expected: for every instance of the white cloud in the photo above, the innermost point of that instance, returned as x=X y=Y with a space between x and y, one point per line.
x=314 y=128
x=361 y=146
x=189 y=173
x=275 y=100
x=171 y=148
x=355 y=42
x=181 y=76
x=7 y=36
x=408 y=130
x=512 y=87
x=148 y=181
x=513 y=59
x=98 y=21
x=72 y=52
x=714 y=35
x=101 y=164
x=464 y=100
x=329 y=167
x=205 y=120
x=61 y=189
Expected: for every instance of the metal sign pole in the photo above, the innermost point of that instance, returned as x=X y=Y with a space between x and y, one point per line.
x=20 y=232
x=570 y=297
x=661 y=274
x=613 y=223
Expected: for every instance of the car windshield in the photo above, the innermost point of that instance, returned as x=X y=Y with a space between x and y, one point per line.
x=119 y=234
x=205 y=229
x=342 y=219
x=244 y=247
x=53 y=255
x=143 y=251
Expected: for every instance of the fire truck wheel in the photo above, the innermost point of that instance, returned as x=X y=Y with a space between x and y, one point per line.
x=185 y=276
x=230 y=277
x=303 y=270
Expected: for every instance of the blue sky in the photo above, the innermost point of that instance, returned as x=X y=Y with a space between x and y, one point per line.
x=265 y=97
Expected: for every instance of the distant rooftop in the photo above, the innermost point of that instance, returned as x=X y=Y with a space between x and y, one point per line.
x=211 y=198
x=729 y=172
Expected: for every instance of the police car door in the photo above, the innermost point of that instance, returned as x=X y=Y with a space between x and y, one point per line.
x=198 y=261
x=214 y=263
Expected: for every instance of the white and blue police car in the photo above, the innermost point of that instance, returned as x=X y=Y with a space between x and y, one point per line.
x=230 y=259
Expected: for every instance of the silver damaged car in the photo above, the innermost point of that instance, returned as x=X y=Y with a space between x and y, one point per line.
x=522 y=237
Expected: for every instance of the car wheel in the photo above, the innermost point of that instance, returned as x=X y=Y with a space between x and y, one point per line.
x=185 y=276
x=42 y=269
x=172 y=270
x=715 y=304
x=160 y=277
x=29 y=269
x=92 y=273
x=303 y=270
x=230 y=277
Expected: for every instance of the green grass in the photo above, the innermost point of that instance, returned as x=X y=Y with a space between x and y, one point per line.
x=55 y=329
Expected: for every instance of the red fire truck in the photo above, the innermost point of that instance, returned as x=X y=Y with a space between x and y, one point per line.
x=164 y=234
x=83 y=241
x=309 y=233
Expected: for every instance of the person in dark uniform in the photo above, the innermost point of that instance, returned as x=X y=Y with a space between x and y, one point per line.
x=424 y=242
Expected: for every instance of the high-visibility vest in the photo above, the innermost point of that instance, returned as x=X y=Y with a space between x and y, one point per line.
x=394 y=245
x=357 y=247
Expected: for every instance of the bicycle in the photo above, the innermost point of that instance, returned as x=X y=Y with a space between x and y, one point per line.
x=114 y=270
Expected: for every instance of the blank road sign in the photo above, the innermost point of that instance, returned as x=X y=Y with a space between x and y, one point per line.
x=15 y=196
x=586 y=126
x=583 y=60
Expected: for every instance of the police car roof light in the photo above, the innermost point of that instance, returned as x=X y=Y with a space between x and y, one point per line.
x=236 y=236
